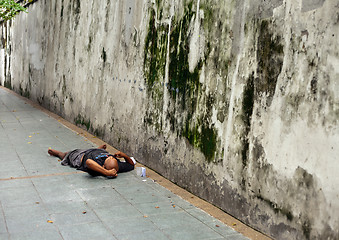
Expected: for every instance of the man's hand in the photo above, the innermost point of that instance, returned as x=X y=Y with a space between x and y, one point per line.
x=97 y=168
x=120 y=155
x=112 y=173
x=124 y=155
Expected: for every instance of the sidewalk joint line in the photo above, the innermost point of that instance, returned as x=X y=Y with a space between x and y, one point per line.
x=40 y=176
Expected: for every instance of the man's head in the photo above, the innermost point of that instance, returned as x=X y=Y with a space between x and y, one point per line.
x=111 y=163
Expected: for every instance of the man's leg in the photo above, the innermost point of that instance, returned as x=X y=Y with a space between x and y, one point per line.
x=57 y=153
x=62 y=155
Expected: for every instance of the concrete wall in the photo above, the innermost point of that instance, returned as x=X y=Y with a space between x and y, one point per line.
x=236 y=101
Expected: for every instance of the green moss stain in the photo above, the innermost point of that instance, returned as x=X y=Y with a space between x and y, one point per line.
x=208 y=142
x=155 y=51
x=81 y=121
x=203 y=137
x=63 y=85
x=216 y=55
x=184 y=88
x=209 y=14
x=86 y=123
x=181 y=80
x=99 y=132
x=24 y=92
x=270 y=60
x=154 y=68
x=8 y=83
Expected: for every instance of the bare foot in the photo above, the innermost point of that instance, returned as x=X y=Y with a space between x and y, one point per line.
x=57 y=153
x=103 y=146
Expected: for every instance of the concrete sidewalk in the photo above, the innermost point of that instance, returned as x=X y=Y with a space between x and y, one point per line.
x=40 y=199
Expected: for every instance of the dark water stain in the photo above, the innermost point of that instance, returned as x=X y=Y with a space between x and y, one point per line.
x=270 y=60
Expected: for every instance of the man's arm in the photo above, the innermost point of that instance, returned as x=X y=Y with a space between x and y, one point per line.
x=97 y=168
x=124 y=155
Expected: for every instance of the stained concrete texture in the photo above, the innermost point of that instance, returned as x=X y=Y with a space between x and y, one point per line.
x=41 y=199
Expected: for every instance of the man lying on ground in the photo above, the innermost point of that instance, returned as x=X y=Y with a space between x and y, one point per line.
x=95 y=161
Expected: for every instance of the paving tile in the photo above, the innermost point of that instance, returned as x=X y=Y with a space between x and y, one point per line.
x=13 y=170
x=4 y=236
x=54 y=143
x=77 y=206
x=212 y=222
x=117 y=213
x=29 y=147
x=145 y=197
x=26 y=213
x=12 y=160
x=26 y=218
x=174 y=220
x=125 y=182
x=128 y=188
x=3 y=227
x=134 y=225
x=15 y=183
x=146 y=235
x=74 y=217
x=85 y=231
x=18 y=196
x=2 y=132
x=84 y=180
x=101 y=197
x=194 y=231
x=140 y=193
x=37 y=159
x=157 y=208
x=4 y=141
x=23 y=115
x=3 y=107
x=8 y=117
x=45 y=170
x=11 y=127
x=77 y=145
x=48 y=184
x=102 y=191
x=181 y=203
x=54 y=189
x=46 y=233
x=17 y=137
x=44 y=164
x=30 y=125
x=59 y=194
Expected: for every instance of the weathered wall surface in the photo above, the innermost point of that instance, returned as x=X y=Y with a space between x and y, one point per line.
x=237 y=101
